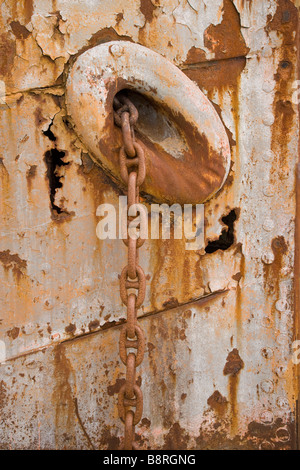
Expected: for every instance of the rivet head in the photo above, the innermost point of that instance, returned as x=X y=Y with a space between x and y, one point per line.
x=268 y=119
x=267 y=353
x=268 y=156
x=266 y=445
x=116 y=50
x=268 y=86
x=268 y=225
x=268 y=257
x=281 y=305
x=266 y=322
x=280 y=371
x=283 y=434
x=267 y=417
x=282 y=339
x=267 y=386
x=282 y=402
x=29 y=328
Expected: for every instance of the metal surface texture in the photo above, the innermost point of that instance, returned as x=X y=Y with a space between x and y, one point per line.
x=220 y=322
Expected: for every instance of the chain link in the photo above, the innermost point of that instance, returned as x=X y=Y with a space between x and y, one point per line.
x=133 y=172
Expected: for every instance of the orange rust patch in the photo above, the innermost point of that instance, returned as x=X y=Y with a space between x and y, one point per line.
x=171 y=303
x=20 y=31
x=272 y=271
x=217 y=402
x=13 y=333
x=115 y=388
x=221 y=76
x=39 y=118
x=3 y=394
x=108 y=440
x=93 y=325
x=30 y=174
x=63 y=401
x=195 y=55
x=70 y=329
x=225 y=39
x=147 y=8
x=234 y=363
x=146 y=422
x=7 y=53
x=13 y=261
x=217 y=75
x=285 y=23
x=27 y=10
x=176 y=439
x=232 y=368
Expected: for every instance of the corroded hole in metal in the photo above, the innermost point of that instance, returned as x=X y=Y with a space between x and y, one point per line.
x=156 y=125
x=48 y=133
x=226 y=239
x=53 y=160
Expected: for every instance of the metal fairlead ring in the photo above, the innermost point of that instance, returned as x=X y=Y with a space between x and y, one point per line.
x=100 y=73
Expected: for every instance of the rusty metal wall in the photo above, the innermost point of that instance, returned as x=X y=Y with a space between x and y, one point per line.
x=220 y=322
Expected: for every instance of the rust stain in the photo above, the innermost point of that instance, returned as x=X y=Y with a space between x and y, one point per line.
x=108 y=440
x=278 y=433
x=28 y=8
x=218 y=403
x=39 y=118
x=70 y=329
x=20 y=31
x=7 y=53
x=3 y=394
x=30 y=175
x=239 y=298
x=147 y=8
x=176 y=439
x=93 y=325
x=115 y=388
x=284 y=22
x=63 y=400
x=13 y=261
x=225 y=39
x=233 y=366
x=216 y=75
x=13 y=333
x=119 y=18
x=272 y=271
x=87 y=163
x=195 y=55
x=233 y=363
x=171 y=303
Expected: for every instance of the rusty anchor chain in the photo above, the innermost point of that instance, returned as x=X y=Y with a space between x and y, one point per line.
x=133 y=172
